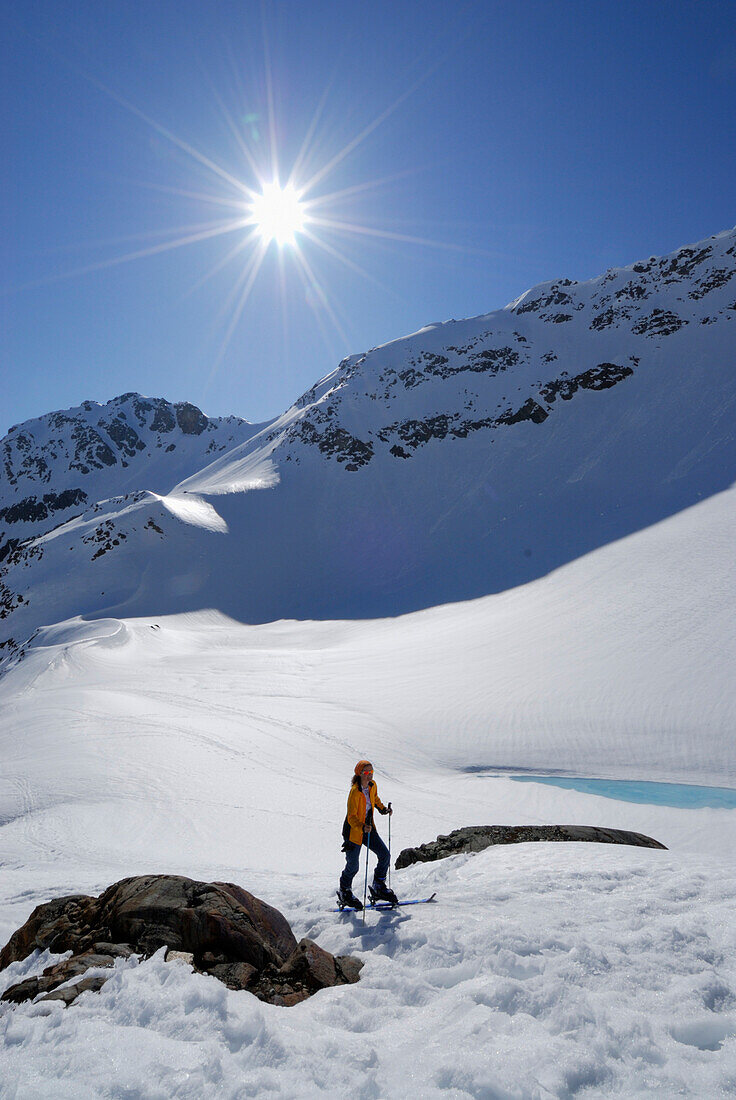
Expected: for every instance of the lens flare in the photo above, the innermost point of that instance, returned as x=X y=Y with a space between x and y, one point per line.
x=277 y=214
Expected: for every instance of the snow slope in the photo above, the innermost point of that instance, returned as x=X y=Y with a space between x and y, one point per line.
x=198 y=745
x=466 y=459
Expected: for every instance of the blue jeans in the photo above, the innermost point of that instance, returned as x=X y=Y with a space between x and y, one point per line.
x=352 y=860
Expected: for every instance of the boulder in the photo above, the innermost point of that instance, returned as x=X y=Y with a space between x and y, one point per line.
x=219 y=927
x=235 y=975
x=474 y=838
x=156 y=910
x=311 y=964
x=57 y=925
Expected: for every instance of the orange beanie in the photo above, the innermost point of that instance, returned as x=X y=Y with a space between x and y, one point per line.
x=362 y=764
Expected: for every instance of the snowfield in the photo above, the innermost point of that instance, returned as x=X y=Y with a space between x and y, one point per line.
x=201 y=746
x=543 y=970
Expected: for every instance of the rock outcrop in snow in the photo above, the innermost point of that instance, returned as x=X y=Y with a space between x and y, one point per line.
x=474 y=838
x=225 y=931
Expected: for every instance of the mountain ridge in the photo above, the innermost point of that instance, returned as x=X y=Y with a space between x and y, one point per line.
x=466 y=458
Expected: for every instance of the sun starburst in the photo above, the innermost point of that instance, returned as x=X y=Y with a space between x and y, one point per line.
x=300 y=218
x=278 y=213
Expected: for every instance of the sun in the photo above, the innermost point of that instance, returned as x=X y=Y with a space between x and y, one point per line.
x=278 y=214
x=255 y=209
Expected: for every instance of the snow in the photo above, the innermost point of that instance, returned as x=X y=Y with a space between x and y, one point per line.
x=195 y=744
x=544 y=970
x=194 y=509
x=193 y=672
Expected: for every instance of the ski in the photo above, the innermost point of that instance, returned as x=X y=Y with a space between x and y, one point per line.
x=385 y=905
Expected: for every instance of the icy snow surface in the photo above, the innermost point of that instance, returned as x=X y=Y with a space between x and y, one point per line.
x=197 y=745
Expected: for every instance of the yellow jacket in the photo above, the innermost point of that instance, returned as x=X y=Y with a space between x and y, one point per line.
x=357 y=808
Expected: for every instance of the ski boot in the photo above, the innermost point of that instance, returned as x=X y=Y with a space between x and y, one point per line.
x=379 y=892
x=346 y=899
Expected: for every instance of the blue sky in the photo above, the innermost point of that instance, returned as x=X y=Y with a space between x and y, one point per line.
x=526 y=140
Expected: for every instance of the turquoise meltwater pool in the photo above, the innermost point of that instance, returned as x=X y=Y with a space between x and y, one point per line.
x=683 y=796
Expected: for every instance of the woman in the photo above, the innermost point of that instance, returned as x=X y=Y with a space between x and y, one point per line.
x=358 y=830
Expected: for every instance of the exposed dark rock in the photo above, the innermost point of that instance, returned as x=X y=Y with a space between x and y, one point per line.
x=660 y=322
x=190 y=419
x=125 y=438
x=415 y=433
x=31 y=510
x=601 y=377
x=9 y=601
x=235 y=975
x=163 y=420
x=683 y=263
x=635 y=291
x=337 y=443
x=608 y=317
x=105 y=536
x=411 y=377
x=222 y=928
x=28 y=510
x=56 y=975
x=151 y=911
x=349 y=967
x=555 y=297
x=530 y=410
x=715 y=279
x=493 y=360
x=69 y=993
x=311 y=963
x=7 y=548
x=90 y=449
x=428 y=365
x=474 y=838
x=55 y=925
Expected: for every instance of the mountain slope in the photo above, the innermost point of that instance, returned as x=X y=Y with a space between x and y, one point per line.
x=55 y=465
x=465 y=459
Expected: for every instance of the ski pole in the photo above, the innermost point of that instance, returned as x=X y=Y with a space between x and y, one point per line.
x=365 y=888
x=389 y=845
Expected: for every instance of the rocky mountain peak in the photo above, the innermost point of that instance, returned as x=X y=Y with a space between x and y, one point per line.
x=54 y=464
